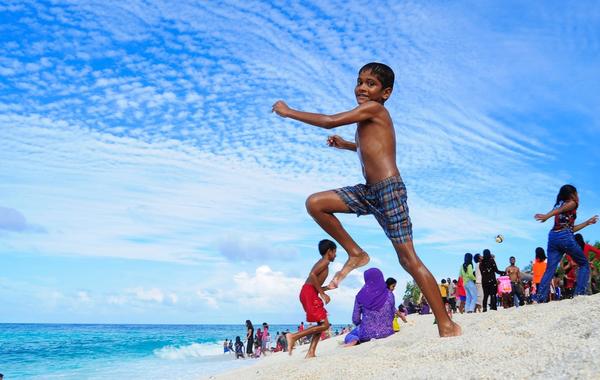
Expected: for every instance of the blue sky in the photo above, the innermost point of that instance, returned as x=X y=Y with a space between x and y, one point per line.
x=143 y=178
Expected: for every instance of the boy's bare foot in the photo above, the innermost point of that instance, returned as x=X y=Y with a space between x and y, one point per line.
x=353 y=262
x=451 y=329
x=290 y=343
x=310 y=355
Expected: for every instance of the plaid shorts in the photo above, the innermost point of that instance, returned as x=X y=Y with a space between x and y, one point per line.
x=386 y=200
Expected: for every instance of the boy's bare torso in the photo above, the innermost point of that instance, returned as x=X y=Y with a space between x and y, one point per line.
x=321 y=271
x=376 y=146
x=513 y=272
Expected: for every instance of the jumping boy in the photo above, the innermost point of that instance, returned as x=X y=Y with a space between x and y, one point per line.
x=383 y=195
x=312 y=304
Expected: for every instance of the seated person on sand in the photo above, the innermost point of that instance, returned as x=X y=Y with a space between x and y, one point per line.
x=374 y=310
x=239 y=348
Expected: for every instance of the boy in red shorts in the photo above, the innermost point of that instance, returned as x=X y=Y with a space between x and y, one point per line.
x=312 y=304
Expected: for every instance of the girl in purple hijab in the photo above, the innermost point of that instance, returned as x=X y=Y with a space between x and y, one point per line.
x=374 y=308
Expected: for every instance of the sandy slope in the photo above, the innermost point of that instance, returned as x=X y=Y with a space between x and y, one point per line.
x=558 y=340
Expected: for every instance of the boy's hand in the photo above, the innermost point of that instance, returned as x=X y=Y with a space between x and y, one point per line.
x=280 y=108
x=336 y=141
x=326 y=298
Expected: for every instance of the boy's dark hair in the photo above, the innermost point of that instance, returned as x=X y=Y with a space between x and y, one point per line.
x=383 y=72
x=540 y=254
x=512 y=257
x=325 y=245
x=477 y=257
x=565 y=193
x=443 y=280
x=390 y=281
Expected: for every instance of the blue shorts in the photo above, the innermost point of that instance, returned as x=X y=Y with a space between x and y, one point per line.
x=386 y=201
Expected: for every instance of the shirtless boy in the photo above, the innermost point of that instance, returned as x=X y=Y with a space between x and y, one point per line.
x=383 y=195
x=312 y=304
x=514 y=273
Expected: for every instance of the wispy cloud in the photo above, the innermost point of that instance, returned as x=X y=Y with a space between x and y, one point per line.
x=142 y=130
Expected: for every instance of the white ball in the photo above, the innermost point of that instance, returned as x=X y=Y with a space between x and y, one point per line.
x=499 y=239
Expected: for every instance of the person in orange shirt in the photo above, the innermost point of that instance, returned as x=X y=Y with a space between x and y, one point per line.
x=539 y=266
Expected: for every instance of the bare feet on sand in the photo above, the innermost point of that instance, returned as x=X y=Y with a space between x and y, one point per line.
x=310 y=355
x=452 y=329
x=353 y=262
x=290 y=343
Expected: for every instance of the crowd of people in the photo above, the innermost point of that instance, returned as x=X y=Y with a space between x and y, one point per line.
x=258 y=343
x=477 y=288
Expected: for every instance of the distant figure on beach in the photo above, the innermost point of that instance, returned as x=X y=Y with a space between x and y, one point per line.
x=570 y=269
x=452 y=294
x=383 y=195
x=226 y=346
x=489 y=269
x=258 y=340
x=477 y=259
x=444 y=290
x=312 y=304
x=561 y=240
x=249 y=337
x=538 y=268
x=239 y=348
x=461 y=294
x=301 y=327
x=514 y=273
x=266 y=338
x=587 y=248
x=467 y=273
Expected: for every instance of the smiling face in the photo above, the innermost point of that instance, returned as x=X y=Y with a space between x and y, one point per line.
x=369 y=87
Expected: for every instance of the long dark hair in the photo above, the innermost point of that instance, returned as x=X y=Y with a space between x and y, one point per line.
x=487 y=255
x=540 y=254
x=565 y=193
x=580 y=241
x=468 y=261
x=249 y=324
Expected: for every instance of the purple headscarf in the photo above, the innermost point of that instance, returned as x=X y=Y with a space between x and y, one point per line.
x=374 y=293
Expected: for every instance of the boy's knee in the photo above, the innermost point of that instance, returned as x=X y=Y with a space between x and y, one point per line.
x=312 y=203
x=408 y=261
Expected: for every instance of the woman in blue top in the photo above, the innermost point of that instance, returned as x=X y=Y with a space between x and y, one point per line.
x=561 y=240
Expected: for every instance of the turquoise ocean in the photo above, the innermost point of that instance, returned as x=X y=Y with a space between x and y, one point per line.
x=96 y=351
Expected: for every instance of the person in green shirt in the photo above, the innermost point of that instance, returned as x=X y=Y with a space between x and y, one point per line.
x=468 y=276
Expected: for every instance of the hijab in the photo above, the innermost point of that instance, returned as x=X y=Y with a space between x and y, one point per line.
x=374 y=292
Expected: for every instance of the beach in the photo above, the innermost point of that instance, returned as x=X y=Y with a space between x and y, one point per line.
x=556 y=340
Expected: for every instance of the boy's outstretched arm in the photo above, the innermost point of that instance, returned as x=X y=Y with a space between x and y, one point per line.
x=363 y=112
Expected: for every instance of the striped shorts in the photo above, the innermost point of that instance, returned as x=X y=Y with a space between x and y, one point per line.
x=386 y=201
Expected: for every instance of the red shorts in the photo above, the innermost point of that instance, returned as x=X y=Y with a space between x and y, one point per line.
x=312 y=304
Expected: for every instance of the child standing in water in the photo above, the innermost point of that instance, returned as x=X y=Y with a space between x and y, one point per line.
x=312 y=304
x=384 y=193
x=561 y=240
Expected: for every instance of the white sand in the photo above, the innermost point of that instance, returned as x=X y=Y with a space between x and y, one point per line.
x=558 y=340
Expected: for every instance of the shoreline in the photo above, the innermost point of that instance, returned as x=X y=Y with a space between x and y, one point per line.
x=558 y=340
